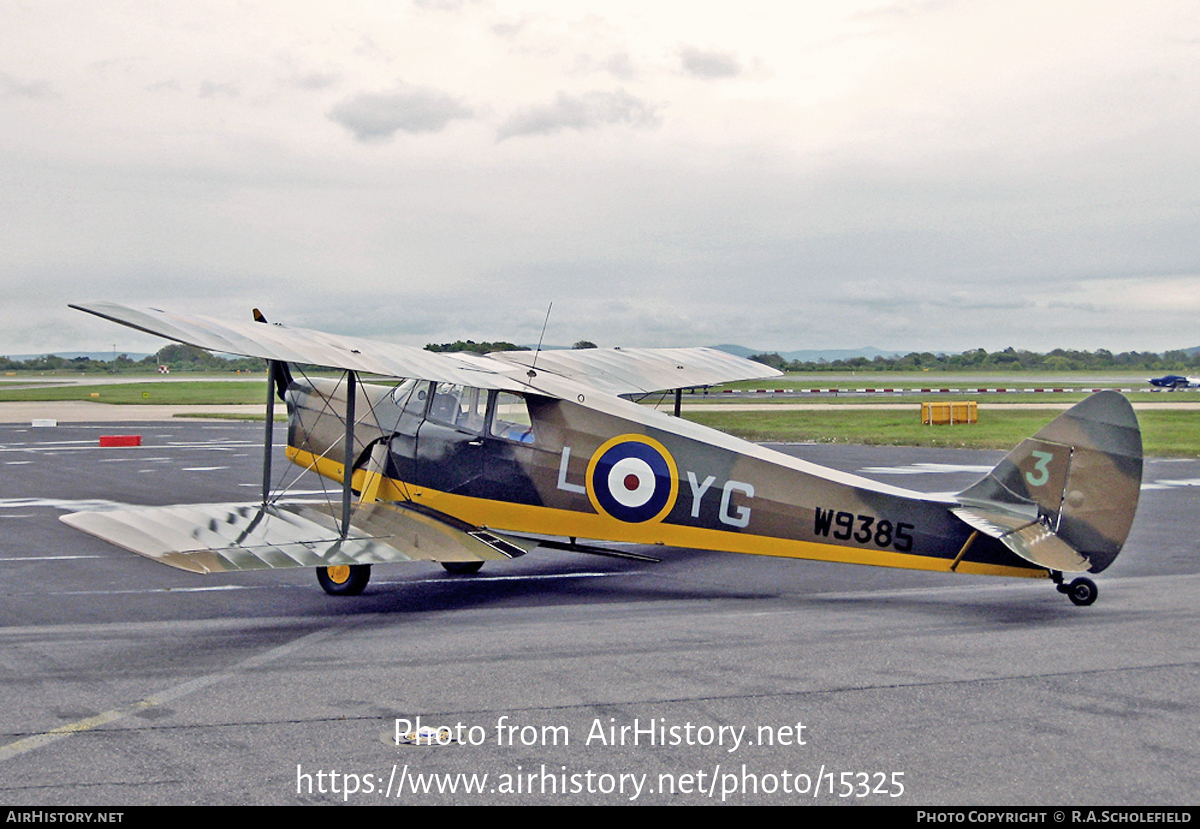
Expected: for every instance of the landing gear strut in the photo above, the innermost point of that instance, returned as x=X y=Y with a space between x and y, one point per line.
x=1082 y=591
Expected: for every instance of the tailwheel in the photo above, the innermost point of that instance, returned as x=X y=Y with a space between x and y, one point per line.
x=462 y=568
x=1082 y=592
x=344 y=579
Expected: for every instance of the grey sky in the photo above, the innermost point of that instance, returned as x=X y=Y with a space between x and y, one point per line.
x=917 y=175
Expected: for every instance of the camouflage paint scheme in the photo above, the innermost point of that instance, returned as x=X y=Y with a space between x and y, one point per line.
x=475 y=454
x=1078 y=477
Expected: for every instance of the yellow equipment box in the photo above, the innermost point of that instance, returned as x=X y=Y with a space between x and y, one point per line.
x=948 y=414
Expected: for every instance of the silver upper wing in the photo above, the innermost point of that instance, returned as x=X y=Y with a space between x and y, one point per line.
x=272 y=341
x=643 y=370
x=612 y=370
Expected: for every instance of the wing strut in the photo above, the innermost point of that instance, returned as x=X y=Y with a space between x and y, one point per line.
x=348 y=462
x=269 y=437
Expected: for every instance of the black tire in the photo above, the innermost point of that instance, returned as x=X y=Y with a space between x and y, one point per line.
x=1083 y=592
x=462 y=568
x=345 y=579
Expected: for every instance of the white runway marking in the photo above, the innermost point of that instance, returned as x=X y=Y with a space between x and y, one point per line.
x=47 y=558
x=1171 y=483
x=200 y=683
x=442 y=579
x=61 y=503
x=925 y=469
x=216 y=588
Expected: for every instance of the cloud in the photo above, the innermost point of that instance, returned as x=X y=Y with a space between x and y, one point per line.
x=579 y=112
x=444 y=5
x=509 y=29
x=14 y=87
x=314 y=80
x=171 y=85
x=620 y=65
x=211 y=89
x=410 y=109
x=909 y=10
x=709 y=63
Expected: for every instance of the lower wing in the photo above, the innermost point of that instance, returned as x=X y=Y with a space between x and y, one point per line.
x=211 y=538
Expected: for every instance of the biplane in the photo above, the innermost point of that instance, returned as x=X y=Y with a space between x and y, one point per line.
x=463 y=459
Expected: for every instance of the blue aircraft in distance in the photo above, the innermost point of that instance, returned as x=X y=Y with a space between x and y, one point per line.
x=1175 y=381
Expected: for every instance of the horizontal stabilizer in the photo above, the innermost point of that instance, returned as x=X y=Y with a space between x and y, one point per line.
x=1031 y=540
x=212 y=538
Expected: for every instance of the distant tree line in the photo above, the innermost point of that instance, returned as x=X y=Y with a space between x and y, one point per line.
x=477 y=348
x=1010 y=359
x=484 y=348
x=182 y=357
x=188 y=358
x=177 y=356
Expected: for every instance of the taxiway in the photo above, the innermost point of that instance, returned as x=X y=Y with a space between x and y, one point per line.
x=131 y=683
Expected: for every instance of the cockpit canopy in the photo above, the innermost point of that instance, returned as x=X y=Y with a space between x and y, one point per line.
x=478 y=411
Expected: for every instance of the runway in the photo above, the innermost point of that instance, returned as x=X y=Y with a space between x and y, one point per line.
x=706 y=677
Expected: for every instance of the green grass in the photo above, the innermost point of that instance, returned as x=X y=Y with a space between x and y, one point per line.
x=1171 y=434
x=916 y=399
x=184 y=393
x=938 y=380
x=1165 y=433
x=911 y=398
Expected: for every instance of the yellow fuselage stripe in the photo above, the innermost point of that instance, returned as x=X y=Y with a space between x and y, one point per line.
x=538 y=520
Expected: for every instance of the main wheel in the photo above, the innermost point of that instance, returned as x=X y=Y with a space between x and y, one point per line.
x=1083 y=592
x=462 y=568
x=344 y=579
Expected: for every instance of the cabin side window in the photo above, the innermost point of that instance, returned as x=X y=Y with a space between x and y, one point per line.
x=510 y=418
x=463 y=407
x=410 y=396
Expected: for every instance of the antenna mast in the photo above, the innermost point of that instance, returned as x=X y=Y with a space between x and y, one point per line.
x=542 y=336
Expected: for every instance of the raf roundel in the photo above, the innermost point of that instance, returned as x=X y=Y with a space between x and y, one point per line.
x=633 y=478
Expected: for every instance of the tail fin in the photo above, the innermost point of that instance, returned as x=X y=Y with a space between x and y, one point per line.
x=1065 y=498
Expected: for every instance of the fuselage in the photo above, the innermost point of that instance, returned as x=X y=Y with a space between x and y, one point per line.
x=614 y=471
